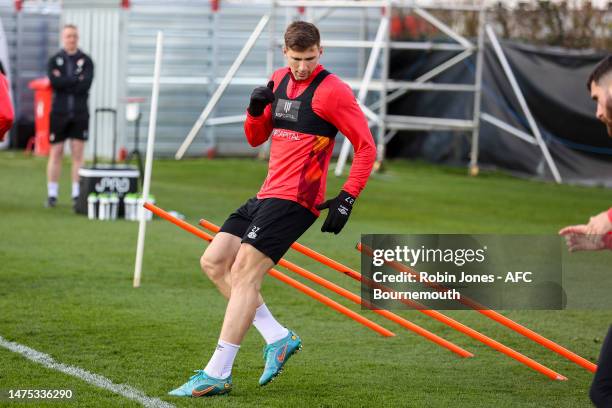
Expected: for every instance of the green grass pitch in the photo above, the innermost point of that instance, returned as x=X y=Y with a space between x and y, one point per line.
x=66 y=290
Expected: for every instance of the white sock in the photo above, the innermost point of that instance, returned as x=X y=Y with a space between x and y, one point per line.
x=268 y=327
x=75 y=189
x=52 y=189
x=222 y=360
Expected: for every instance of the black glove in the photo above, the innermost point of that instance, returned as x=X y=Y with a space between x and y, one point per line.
x=260 y=98
x=338 y=213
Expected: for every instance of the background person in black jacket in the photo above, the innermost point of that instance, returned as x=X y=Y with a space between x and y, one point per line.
x=71 y=73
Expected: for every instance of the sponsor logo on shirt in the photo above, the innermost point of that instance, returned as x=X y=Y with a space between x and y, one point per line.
x=286 y=134
x=287 y=110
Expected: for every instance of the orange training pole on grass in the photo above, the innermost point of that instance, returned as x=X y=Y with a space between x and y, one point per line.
x=551 y=345
x=357 y=299
x=440 y=317
x=331 y=303
x=278 y=275
x=432 y=313
x=385 y=313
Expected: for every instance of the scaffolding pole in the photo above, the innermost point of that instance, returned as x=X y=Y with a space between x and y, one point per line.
x=425 y=77
x=397 y=122
x=381 y=37
x=473 y=169
x=521 y=99
x=224 y=83
x=382 y=114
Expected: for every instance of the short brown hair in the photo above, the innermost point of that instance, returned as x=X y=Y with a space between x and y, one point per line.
x=301 y=35
x=603 y=68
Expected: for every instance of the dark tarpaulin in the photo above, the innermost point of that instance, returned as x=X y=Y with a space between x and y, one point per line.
x=553 y=81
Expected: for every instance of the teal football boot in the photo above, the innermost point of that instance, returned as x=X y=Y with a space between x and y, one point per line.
x=277 y=354
x=202 y=385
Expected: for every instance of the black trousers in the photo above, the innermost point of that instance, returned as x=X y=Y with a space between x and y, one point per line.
x=601 y=389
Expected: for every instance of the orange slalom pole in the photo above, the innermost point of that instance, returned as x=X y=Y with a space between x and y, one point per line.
x=549 y=344
x=357 y=299
x=496 y=316
x=440 y=317
x=278 y=275
x=331 y=303
x=385 y=313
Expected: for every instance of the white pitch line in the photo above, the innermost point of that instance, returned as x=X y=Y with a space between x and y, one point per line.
x=92 y=378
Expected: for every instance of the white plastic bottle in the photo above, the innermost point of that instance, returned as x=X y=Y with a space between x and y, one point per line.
x=129 y=202
x=92 y=200
x=139 y=208
x=114 y=206
x=104 y=207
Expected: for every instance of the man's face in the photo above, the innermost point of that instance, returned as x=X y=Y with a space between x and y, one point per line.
x=602 y=95
x=302 y=63
x=70 y=39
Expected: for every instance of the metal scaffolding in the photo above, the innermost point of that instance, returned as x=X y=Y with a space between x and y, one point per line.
x=379 y=54
x=386 y=126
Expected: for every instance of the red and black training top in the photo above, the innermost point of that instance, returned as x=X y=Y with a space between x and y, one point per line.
x=303 y=122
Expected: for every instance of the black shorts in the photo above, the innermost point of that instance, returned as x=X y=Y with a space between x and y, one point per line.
x=271 y=224
x=63 y=127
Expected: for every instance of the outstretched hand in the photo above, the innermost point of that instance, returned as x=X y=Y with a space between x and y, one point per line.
x=578 y=239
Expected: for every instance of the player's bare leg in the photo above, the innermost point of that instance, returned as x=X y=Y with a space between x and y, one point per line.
x=217 y=263
x=245 y=307
x=247 y=273
x=54 y=170
x=77 y=148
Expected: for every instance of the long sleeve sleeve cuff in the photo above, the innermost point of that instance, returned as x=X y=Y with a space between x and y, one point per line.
x=255 y=119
